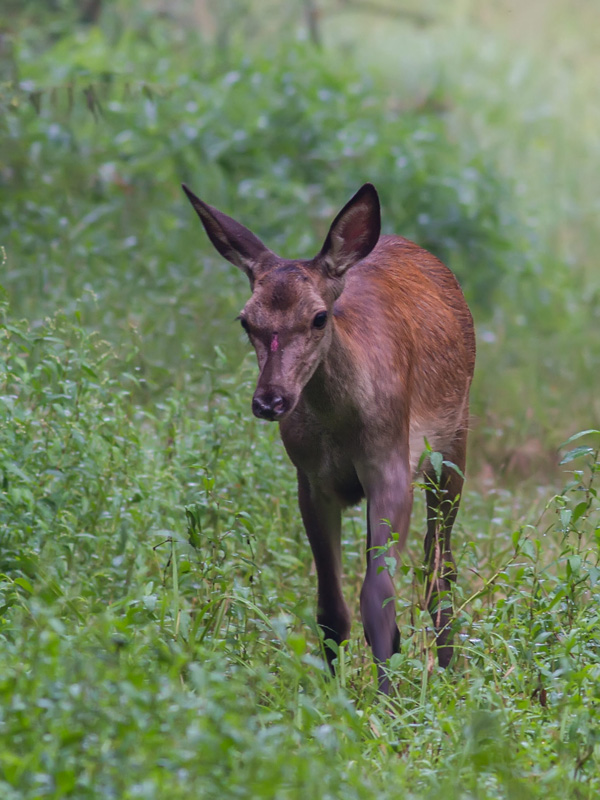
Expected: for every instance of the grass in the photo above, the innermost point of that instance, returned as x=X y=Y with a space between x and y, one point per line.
x=156 y=589
x=157 y=613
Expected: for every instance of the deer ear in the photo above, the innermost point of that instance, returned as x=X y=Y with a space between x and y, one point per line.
x=234 y=242
x=353 y=233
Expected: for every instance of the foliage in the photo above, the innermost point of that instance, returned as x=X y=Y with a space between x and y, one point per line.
x=147 y=650
x=157 y=634
x=259 y=132
x=100 y=124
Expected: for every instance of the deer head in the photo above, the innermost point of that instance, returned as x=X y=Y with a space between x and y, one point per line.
x=289 y=317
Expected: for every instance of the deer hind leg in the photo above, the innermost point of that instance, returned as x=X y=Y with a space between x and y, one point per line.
x=322 y=519
x=442 y=507
x=388 y=510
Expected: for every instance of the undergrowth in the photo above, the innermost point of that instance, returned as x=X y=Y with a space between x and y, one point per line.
x=157 y=611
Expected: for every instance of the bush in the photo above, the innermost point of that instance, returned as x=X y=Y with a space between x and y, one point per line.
x=94 y=151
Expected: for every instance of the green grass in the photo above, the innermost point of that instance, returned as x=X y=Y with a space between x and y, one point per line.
x=157 y=612
x=157 y=633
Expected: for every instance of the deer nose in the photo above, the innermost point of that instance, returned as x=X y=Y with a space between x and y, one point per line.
x=270 y=405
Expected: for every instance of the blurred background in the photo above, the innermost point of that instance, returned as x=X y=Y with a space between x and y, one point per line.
x=478 y=122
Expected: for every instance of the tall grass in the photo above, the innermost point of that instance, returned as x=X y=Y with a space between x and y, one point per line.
x=157 y=611
x=156 y=590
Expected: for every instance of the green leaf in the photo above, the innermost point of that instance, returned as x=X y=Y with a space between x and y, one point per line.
x=594 y=574
x=578 y=452
x=24 y=584
x=391 y=564
x=437 y=460
x=590 y=431
x=454 y=467
x=579 y=510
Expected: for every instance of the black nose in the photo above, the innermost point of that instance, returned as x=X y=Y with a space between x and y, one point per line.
x=268 y=406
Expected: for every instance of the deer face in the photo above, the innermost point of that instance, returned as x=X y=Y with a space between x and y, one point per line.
x=289 y=318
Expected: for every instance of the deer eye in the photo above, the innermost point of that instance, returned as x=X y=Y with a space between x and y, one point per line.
x=320 y=320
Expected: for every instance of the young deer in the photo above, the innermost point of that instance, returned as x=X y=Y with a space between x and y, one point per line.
x=364 y=352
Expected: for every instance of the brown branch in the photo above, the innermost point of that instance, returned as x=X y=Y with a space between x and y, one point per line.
x=384 y=9
x=90 y=13
x=311 y=14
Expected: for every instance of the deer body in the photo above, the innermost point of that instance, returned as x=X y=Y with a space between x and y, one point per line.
x=364 y=352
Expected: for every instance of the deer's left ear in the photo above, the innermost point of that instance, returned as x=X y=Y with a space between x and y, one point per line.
x=233 y=241
x=353 y=233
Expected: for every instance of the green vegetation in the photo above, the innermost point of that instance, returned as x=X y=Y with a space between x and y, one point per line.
x=157 y=634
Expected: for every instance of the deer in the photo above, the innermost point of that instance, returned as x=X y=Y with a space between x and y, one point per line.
x=365 y=355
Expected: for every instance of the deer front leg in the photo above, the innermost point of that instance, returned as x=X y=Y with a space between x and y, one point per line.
x=322 y=520
x=389 y=498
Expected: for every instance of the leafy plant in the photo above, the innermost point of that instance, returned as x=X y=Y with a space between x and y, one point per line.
x=156 y=598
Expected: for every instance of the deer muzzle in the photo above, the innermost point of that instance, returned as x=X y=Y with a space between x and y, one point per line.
x=270 y=404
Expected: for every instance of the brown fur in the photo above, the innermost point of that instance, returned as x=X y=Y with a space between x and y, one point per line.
x=357 y=397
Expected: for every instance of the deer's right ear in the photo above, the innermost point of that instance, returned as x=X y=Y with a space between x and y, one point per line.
x=234 y=242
